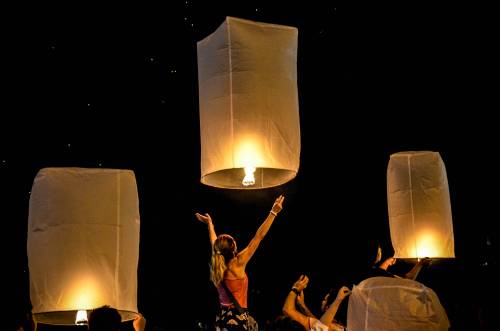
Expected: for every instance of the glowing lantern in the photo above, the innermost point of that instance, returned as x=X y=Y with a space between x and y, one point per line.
x=83 y=243
x=419 y=206
x=249 y=114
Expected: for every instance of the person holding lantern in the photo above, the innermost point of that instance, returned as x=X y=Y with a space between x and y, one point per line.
x=380 y=268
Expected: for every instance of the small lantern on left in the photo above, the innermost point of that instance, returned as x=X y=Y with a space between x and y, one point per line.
x=83 y=243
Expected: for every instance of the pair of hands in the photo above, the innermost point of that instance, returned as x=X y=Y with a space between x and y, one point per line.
x=300 y=285
x=277 y=207
x=424 y=261
x=392 y=260
x=302 y=282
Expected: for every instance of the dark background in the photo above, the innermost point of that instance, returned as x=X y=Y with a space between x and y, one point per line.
x=115 y=86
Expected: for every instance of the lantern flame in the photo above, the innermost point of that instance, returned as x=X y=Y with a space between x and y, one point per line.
x=249 y=176
x=248 y=155
x=81 y=317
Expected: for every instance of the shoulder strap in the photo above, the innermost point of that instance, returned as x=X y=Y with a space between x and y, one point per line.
x=231 y=296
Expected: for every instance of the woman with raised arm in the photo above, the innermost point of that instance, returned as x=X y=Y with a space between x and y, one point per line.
x=227 y=271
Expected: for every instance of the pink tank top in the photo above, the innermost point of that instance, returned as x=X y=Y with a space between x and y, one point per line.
x=239 y=288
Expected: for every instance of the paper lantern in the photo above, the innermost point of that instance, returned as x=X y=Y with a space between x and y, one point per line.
x=419 y=206
x=249 y=118
x=394 y=304
x=83 y=243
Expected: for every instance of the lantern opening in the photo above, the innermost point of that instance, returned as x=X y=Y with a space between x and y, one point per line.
x=264 y=177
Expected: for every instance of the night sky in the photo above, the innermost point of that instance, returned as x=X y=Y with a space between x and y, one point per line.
x=116 y=87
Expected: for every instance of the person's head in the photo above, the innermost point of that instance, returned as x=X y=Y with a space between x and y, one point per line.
x=328 y=299
x=378 y=257
x=104 y=318
x=21 y=321
x=371 y=251
x=224 y=250
x=20 y=317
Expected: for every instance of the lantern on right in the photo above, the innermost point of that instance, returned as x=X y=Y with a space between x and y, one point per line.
x=419 y=206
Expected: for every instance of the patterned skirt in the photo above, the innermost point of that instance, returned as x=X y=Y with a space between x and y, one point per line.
x=229 y=319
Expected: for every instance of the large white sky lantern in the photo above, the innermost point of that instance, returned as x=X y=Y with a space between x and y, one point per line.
x=394 y=304
x=249 y=113
x=419 y=206
x=83 y=242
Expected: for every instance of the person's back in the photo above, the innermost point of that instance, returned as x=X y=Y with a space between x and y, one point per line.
x=227 y=272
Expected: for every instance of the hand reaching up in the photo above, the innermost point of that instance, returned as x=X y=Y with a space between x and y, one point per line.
x=301 y=284
x=343 y=292
x=278 y=205
x=139 y=323
x=204 y=218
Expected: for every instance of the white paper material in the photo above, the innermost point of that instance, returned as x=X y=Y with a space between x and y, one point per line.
x=419 y=206
x=83 y=241
x=394 y=304
x=249 y=113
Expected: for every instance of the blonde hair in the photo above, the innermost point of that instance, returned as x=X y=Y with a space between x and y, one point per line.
x=224 y=249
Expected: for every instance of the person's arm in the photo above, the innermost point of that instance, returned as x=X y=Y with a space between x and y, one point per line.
x=329 y=314
x=413 y=273
x=387 y=263
x=139 y=323
x=246 y=254
x=289 y=308
x=211 y=230
x=302 y=304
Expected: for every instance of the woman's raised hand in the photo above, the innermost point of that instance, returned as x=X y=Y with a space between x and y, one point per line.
x=204 y=218
x=278 y=205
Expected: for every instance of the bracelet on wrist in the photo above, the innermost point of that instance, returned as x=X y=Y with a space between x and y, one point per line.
x=295 y=290
x=274 y=213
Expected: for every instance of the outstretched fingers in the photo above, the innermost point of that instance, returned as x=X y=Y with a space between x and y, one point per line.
x=203 y=218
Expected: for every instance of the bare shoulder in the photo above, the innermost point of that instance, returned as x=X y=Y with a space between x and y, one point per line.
x=235 y=270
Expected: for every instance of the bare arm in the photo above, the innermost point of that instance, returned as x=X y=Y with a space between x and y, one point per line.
x=289 y=308
x=246 y=254
x=413 y=273
x=211 y=230
x=330 y=313
x=302 y=305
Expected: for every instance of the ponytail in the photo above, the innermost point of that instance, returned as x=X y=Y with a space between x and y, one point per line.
x=217 y=268
x=224 y=249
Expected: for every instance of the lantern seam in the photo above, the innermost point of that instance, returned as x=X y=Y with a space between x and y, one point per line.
x=230 y=89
